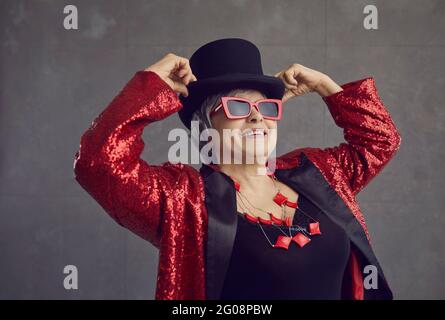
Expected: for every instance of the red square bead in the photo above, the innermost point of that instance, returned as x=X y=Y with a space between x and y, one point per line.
x=314 y=228
x=280 y=198
x=283 y=242
x=301 y=239
x=275 y=219
x=250 y=217
x=287 y=221
x=265 y=221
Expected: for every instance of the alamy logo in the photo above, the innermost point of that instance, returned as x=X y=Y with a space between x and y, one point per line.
x=370 y=281
x=371 y=20
x=70 y=282
x=235 y=146
x=71 y=19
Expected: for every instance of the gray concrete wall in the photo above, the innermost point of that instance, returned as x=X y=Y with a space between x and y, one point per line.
x=53 y=82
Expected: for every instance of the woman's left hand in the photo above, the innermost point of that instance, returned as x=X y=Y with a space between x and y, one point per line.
x=299 y=80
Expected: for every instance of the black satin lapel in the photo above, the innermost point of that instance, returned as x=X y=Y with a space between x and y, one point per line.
x=220 y=199
x=307 y=179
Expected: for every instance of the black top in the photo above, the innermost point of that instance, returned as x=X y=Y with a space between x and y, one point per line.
x=314 y=271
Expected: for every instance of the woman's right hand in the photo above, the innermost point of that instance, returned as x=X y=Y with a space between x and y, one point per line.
x=175 y=71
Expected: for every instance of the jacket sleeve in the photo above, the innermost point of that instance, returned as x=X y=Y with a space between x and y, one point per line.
x=108 y=164
x=371 y=137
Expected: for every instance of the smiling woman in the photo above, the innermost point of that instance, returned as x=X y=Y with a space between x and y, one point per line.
x=202 y=116
x=226 y=217
x=251 y=121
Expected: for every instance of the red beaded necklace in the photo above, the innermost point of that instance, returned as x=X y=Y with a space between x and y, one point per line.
x=301 y=238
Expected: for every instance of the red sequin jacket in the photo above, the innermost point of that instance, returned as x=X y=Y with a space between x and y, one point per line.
x=188 y=214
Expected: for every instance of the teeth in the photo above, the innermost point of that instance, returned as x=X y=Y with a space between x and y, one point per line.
x=250 y=133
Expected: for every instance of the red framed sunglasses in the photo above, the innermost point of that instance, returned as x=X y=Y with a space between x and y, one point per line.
x=238 y=108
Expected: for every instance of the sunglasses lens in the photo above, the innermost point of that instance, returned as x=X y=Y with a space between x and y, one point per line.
x=238 y=108
x=269 y=109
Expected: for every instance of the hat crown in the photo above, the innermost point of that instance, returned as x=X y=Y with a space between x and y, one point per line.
x=226 y=56
x=222 y=65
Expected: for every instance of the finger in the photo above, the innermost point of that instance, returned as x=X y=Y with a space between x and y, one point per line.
x=289 y=76
x=185 y=76
x=186 y=72
x=298 y=91
x=179 y=84
x=182 y=72
x=189 y=78
x=296 y=72
x=177 y=79
x=287 y=95
x=184 y=64
x=289 y=86
x=280 y=76
x=181 y=61
x=286 y=83
x=181 y=88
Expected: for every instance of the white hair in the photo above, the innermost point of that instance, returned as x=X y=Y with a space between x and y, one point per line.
x=202 y=114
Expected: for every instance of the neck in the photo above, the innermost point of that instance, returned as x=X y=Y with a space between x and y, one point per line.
x=248 y=175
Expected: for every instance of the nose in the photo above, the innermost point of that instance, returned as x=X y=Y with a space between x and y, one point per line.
x=255 y=116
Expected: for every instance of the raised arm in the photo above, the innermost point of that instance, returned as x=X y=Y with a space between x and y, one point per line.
x=371 y=136
x=108 y=164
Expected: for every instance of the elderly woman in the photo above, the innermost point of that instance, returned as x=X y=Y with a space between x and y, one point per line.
x=248 y=229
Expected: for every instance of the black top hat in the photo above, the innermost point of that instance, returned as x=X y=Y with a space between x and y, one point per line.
x=223 y=65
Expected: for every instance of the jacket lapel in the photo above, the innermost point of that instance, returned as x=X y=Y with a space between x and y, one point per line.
x=220 y=201
x=220 y=198
x=307 y=179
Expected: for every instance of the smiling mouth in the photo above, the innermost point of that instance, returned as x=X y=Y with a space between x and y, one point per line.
x=253 y=133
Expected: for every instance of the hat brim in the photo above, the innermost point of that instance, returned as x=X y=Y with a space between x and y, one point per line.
x=272 y=87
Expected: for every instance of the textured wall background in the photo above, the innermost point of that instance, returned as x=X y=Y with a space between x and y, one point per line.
x=53 y=82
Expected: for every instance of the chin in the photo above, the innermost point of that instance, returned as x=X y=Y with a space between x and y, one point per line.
x=255 y=158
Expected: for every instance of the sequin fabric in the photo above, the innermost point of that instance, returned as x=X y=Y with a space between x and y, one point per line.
x=164 y=204
x=371 y=140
